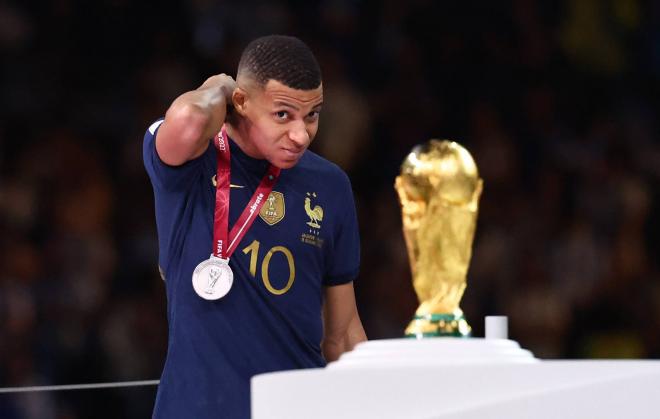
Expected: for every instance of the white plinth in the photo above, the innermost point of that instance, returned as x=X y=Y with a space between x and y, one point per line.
x=389 y=353
x=458 y=378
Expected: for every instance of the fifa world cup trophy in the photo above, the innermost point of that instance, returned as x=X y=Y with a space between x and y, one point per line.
x=439 y=189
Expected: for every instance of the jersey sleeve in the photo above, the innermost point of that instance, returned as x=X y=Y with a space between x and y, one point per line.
x=344 y=258
x=162 y=175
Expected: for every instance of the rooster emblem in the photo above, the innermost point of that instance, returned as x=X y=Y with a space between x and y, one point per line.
x=315 y=214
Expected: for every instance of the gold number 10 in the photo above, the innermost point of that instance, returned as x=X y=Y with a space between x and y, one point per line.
x=254 y=248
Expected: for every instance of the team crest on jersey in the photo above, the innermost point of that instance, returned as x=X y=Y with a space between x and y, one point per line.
x=315 y=214
x=273 y=209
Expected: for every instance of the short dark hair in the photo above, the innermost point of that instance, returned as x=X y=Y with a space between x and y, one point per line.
x=285 y=59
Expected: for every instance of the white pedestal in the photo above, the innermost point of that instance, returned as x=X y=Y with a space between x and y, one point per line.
x=458 y=378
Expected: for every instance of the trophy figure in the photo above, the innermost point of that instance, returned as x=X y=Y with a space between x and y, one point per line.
x=214 y=275
x=439 y=189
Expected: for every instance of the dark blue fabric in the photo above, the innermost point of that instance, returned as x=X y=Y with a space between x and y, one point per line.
x=215 y=347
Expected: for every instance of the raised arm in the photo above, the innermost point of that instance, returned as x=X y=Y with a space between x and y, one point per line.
x=193 y=119
x=342 y=326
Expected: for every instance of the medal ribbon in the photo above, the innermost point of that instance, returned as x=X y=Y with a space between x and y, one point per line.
x=225 y=241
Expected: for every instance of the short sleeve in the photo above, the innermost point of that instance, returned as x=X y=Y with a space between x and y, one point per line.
x=162 y=175
x=344 y=258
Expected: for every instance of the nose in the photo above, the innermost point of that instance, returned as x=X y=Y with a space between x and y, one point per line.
x=298 y=134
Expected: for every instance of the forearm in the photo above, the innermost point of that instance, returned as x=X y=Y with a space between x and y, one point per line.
x=334 y=346
x=332 y=350
x=200 y=113
x=193 y=119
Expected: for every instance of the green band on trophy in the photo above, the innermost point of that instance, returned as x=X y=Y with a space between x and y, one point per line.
x=439 y=189
x=438 y=324
x=437 y=317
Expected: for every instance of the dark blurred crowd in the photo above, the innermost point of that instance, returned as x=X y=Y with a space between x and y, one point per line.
x=557 y=101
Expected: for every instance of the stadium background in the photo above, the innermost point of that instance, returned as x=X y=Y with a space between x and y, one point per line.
x=557 y=101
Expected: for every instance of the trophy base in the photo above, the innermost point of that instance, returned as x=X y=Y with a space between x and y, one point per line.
x=439 y=325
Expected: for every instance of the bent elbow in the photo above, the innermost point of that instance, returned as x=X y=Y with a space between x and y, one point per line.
x=188 y=122
x=181 y=137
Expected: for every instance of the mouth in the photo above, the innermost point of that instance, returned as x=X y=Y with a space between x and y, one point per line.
x=290 y=154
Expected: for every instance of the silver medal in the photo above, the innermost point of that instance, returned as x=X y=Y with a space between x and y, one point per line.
x=213 y=278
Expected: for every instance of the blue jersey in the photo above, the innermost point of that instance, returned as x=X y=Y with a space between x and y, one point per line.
x=305 y=238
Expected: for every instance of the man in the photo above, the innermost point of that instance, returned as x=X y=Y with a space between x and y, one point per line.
x=290 y=233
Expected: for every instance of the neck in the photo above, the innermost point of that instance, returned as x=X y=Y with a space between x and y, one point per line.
x=237 y=130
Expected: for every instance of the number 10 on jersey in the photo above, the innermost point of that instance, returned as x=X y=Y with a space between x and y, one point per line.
x=253 y=249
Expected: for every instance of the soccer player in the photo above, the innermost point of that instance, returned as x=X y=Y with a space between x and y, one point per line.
x=289 y=234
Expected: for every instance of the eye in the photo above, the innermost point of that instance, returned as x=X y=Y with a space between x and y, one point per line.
x=282 y=115
x=313 y=115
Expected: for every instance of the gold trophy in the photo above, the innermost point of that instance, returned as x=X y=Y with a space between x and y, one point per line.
x=439 y=189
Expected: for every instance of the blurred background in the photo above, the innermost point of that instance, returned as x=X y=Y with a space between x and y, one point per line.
x=558 y=101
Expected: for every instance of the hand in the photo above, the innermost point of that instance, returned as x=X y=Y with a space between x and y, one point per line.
x=225 y=82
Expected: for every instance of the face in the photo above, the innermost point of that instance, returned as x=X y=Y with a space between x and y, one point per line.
x=281 y=122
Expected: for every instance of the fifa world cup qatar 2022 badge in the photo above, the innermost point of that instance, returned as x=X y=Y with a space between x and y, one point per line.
x=212 y=278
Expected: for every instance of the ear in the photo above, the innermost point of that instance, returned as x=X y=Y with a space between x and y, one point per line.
x=239 y=99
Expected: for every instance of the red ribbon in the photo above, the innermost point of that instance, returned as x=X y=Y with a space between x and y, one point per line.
x=225 y=241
